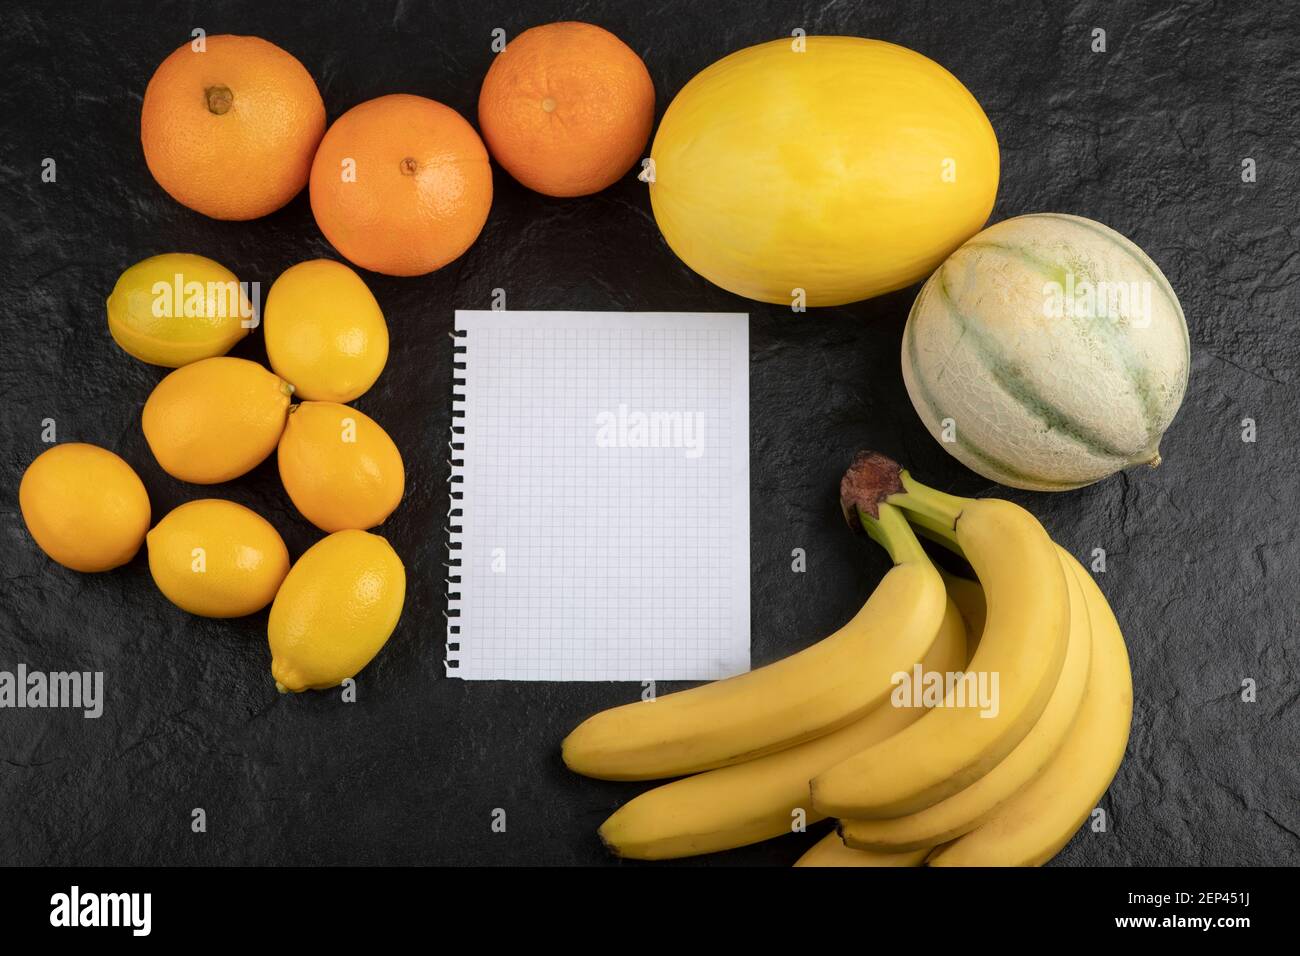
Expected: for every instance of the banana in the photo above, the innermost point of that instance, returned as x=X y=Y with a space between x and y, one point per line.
x=813 y=692
x=1023 y=644
x=829 y=851
x=1032 y=827
x=969 y=598
x=748 y=802
x=964 y=811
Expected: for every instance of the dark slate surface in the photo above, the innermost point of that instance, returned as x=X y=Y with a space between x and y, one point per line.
x=1148 y=137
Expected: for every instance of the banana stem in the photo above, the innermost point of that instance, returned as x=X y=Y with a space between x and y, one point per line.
x=892 y=532
x=872 y=490
x=935 y=530
x=921 y=501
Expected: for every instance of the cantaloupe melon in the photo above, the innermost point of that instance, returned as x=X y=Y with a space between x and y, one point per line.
x=1047 y=352
x=821 y=170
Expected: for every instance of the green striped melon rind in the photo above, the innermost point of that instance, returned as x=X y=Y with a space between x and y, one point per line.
x=929 y=408
x=1078 y=453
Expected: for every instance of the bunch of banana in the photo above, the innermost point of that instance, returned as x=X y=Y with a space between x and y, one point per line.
x=758 y=799
x=947 y=782
x=830 y=684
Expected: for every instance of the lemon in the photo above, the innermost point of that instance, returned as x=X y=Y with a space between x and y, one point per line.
x=335 y=611
x=86 y=507
x=340 y=468
x=217 y=559
x=216 y=419
x=325 y=331
x=177 y=308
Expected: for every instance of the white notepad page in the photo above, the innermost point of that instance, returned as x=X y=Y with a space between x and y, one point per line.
x=600 y=485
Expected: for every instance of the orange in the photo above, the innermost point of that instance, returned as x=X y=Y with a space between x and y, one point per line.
x=401 y=185
x=230 y=131
x=567 y=108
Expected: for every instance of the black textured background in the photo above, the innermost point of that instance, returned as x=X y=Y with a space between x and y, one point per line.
x=1148 y=137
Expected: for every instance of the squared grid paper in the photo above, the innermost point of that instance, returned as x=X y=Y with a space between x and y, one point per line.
x=581 y=557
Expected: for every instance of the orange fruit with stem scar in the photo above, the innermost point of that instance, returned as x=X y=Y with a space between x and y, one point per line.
x=229 y=126
x=401 y=185
x=567 y=108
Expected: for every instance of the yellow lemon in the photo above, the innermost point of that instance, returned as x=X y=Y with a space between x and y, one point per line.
x=215 y=419
x=340 y=468
x=177 y=308
x=324 y=331
x=335 y=611
x=86 y=507
x=217 y=559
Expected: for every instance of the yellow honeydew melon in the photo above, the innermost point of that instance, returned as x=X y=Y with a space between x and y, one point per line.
x=839 y=166
x=1047 y=353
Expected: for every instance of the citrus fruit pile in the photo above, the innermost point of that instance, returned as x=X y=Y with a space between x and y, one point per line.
x=234 y=127
x=214 y=418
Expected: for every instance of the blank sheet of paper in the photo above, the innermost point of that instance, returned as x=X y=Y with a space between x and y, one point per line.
x=600 y=483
